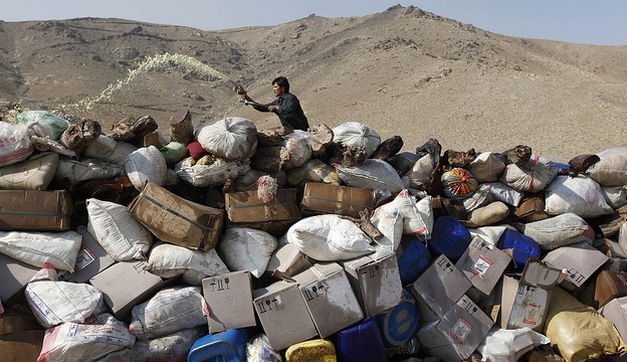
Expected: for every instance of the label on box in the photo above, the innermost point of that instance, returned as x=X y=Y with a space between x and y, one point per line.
x=84 y=258
x=219 y=285
x=481 y=266
x=314 y=290
x=575 y=277
x=445 y=265
x=269 y=304
x=371 y=271
x=461 y=329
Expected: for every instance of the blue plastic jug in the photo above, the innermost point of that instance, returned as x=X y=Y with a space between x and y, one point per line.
x=524 y=247
x=449 y=237
x=399 y=324
x=360 y=343
x=414 y=260
x=228 y=346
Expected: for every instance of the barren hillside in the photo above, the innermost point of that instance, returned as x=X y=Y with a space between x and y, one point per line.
x=403 y=71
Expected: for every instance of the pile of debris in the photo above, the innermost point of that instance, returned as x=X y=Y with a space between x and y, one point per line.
x=231 y=243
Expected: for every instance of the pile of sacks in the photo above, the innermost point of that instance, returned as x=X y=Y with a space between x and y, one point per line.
x=235 y=243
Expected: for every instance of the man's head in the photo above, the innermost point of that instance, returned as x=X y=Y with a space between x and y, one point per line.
x=280 y=86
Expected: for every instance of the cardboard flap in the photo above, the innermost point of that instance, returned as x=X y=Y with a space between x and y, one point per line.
x=538 y=274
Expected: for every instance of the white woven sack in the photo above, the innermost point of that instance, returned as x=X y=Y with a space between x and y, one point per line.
x=486 y=167
x=15 y=144
x=146 y=164
x=417 y=215
x=168 y=261
x=375 y=175
x=506 y=345
x=115 y=229
x=105 y=149
x=75 y=172
x=37 y=248
x=329 y=238
x=169 y=311
x=355 y=134
x=232 y=138
x=390 y=223
x=85 y=342
x=297 y=145
x=504 y=193
x=531 y=177
x=421 y=172
x=579 y=195
x=612 y=169
x=615 y=196
x=491 y=234
x=35 y=173
x=559 y=231
x=54 y=302
x=480 y=198
x=210 y=175
x=247 y=249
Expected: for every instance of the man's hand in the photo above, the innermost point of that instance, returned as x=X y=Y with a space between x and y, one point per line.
x=273 y=108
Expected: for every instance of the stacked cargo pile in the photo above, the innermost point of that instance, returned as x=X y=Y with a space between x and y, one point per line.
x=232 y=243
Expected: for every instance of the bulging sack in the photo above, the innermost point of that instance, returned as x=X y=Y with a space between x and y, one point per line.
x=459 y=183
x=579 y=195
x=247 y=249
x=232 y=138
x=313 y=170
x=169 y=311
x=146 y=164
x=106 y=149
x=213 y=174
x=34 y=248
x=168 y=261
x=74 y=172
x=297 y=146
x=329 y=238
x=113 y=226
x=615 y=196
x=559 y=231
x=372 y=174
x=612 y=169
x=487 y=167
x=528 y=177
x=35 y=173
x=357 y=135
x=420 y=173
x=417 y=215
x=506 y=345
x=15 y=144
x=43 y=123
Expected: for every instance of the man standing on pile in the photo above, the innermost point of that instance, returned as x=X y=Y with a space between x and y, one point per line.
x=285 y=105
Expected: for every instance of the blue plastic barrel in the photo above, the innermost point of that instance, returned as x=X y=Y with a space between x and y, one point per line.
x=228 y=346
x=360 y=343
x=524 y=247
x=399 y=324
x=413 y=261
x=449 y=237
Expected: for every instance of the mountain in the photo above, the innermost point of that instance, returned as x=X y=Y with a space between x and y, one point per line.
x=403 y=71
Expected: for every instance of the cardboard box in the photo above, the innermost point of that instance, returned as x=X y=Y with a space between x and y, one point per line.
x=91 y=260
x=21 y=346
x=609 y=285
x=531 y=209
x=288 y=261
x=283 y=314
x=580 y=261
x=508 y=296
x=376 y=281
x=616 y=312
x=15 y=276
x=230 y=300
x=17 y=318
x=176 y=220
x=126 y=284
x=533 y=296
x=331 y=302
x=458 y=333
x=321 y=198
x=32 y=210
x=439 y=288
x=483 y=264
x=247 y=207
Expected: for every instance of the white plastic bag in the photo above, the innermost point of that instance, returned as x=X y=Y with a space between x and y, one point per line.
x=329 y=238
x=297 y=145
x=579 y=195
x=37 y=248
x=105 y=149
x=258 y=349
x=355 y=134
x=15 y=144
x=612 y=169
x=169 y=311
x=247 y=249
x=509 y=345
x=167 y=261
x=372 y=174
x=75 y=172
x=210 y=175
x=530 y=177
x=85 y=342
x=115 y=229
x=232 y=138
x=146 y=164
x=487 y=167
x=615 y=196
x=43 y=123
x=417 y=215
x=559 y=231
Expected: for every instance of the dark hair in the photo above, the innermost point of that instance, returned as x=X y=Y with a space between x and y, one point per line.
x=282 y=82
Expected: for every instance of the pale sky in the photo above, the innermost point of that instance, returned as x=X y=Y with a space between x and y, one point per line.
x=579 y=21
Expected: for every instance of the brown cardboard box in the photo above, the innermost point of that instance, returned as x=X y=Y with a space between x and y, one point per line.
x=616 y=312
x=458 y=333
x=531 y=209
x=283 y=314
x=230 y=300
x=579 y=260
x=126 y=284
x=331 y=302
x=533 y=296
x=15 y=275
x=439 y=288
x=17 y=318
x=610 y=285
x=321 y=198
x=32 y=210
x=287 y=261
x=483 y=264
x=176 y=220
x=91 y=260
x=376 y=281
x=246 y=207
x=21 y=346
